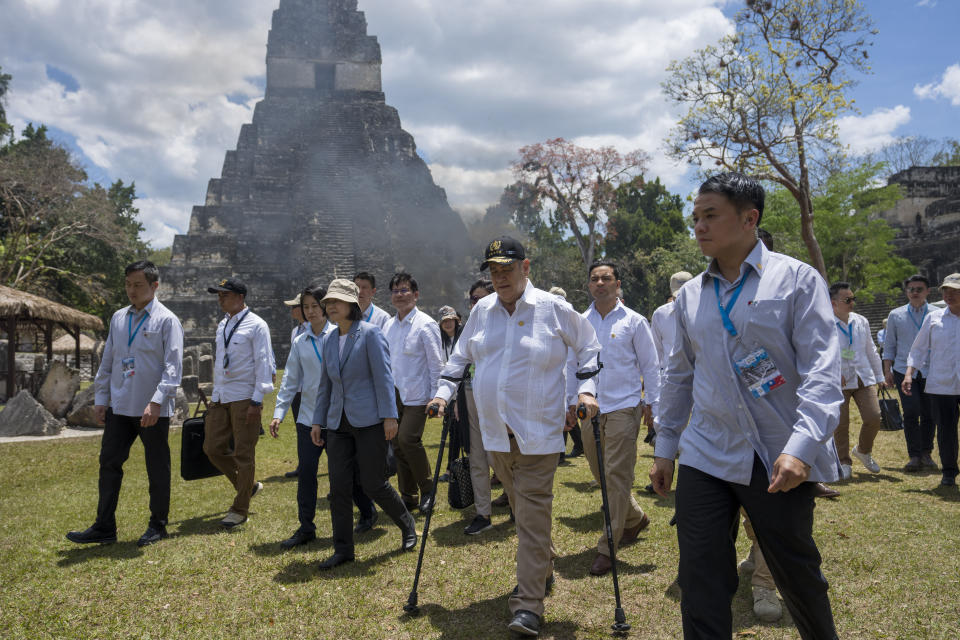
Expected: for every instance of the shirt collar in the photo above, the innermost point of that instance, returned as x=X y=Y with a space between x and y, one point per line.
x=148 y=308
x=309 y=328
x=410 y=316
x=757 y=259
x=617 y=307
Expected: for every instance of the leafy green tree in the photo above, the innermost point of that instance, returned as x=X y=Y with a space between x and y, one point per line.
x=765 y=100
x=856 y=243
x=949 y=155
x=5 y=128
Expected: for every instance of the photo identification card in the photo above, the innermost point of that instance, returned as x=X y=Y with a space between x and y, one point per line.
x=128 y=367
x=759 y=373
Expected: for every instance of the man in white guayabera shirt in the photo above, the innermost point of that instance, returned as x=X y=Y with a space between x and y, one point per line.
x=517 y=341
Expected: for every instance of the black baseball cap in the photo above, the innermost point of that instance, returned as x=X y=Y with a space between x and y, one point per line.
x=503 y=250
x=229 y=284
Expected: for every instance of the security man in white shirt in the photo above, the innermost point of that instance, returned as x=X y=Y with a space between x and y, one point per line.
x=368 y=288
x=242 y=376
x=860 y=372
x=627 y=390
x=296 y=312
x=416 y=357
x=517 y=341
x=136 y=388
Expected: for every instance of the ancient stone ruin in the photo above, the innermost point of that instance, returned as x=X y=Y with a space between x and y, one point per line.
x=324 y=182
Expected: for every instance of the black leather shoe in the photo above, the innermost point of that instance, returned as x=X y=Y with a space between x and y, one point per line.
x=526 y=623
x=408 y=533
x=365 y=524
x=299 y=537
x=92 y=536
x=426 y=503
x=292 y=474
x=152 y=535
x=576 y=452
x=335 y=560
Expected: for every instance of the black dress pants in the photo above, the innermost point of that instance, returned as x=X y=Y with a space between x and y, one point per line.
x=947 y=412
x=707 y=512
x=119 y=434
x=360 y=452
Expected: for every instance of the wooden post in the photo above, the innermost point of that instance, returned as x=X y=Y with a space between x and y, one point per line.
x=11 y=355
x=48 y=337
x=77 y=337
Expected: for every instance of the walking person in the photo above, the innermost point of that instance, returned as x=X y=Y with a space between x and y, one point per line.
x=416 y=357
x=367 y=286
x=936 y=350
x=903 y=325
x=135 y=391
x=517 y=342
x=296 y=312
x=355 y=416
x=242 y=375
x=758 y=359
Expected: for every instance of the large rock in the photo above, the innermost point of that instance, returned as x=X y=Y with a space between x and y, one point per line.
x=206 y=348
x=81 y=410
x=190 y=386
x=24 y=416
x=181 y=408
x=59 y=387
x=206 y=369
x=207 y=388
x=189 y=365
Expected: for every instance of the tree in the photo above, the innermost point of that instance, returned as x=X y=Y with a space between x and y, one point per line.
x=856 y=243
x=5 y=128
x=765 y=100
x=577 y=186
x=949 y=154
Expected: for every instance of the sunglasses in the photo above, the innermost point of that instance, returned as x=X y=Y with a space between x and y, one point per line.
x=848 y=300
x=399 y=292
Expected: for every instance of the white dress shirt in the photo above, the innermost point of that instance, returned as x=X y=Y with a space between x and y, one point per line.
x=302 y=373
x=937 y=351
x=631 y=369
x=297 y=330
x=865 y=365
x=784 y=308
x=153 y=338
x=663 y=328
x=250 y=371
x=416 y=356
x=519 y=363
x=903 y=324
x=376 y=316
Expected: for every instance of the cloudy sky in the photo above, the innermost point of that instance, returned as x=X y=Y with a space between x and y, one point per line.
x=156 y=92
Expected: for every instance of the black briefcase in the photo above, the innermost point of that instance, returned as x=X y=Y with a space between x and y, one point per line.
x=460 y=489
x=890 y=418
x=194 y=463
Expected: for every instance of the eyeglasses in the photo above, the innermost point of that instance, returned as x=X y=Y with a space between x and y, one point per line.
x=399 y=292
x=916 y=289
x=848 y=300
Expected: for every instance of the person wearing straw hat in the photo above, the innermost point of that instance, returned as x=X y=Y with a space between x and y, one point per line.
x=355 y=417
x=936 y=350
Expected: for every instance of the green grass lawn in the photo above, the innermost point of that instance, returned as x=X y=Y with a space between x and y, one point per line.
x=891 y=548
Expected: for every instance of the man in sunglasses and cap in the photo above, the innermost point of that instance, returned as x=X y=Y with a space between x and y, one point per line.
x=242 y=376
x=518 y=341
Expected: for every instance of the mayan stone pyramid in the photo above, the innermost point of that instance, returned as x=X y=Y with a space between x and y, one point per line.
x=324 y=182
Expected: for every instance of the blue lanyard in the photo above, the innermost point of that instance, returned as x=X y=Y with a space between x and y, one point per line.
x=725 y=312
x=131 y=332
x=369 y=315
x=912 y=319
x=315 y=350
x=848 y=333
x=229 y=336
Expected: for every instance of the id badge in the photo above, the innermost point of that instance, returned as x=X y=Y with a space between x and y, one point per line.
x=128 y=367
x=848 y=354
x=759 y=373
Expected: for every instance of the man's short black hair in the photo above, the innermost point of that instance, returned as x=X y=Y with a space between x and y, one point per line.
x=363 y=275
x=481 y=284
x=316 y=292
x=766 y=238
x=916 y=278
x=604 y=263
x=742 y=190
x=839 y=286
x=404 y=278
x=150 y=271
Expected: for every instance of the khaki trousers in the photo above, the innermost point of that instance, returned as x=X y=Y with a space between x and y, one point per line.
x=226 y=420
x=618 y=436
x=413 y=468
x=869 y=407
x=528 y=481
x=761 y=572
x=479 y=460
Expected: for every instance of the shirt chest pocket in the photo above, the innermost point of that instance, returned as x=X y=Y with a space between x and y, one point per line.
x=150 y=340
x=411 y=344
x=769 y=322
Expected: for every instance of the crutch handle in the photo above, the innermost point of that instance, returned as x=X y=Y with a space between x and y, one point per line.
x=433 y=410
x=582 y=411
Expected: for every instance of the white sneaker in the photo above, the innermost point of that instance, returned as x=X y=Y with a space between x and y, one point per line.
x=233 y=519
x=747 y=565
x=845 y=472
x=766 y=604
x=867 y=460
x=257 y=488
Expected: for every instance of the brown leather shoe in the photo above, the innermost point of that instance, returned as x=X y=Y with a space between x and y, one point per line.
x=502 y=501
x=630 y=535
x=601 y=565
x=821 y=490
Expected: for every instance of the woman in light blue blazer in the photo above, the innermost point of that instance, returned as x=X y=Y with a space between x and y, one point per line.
x=356 y=415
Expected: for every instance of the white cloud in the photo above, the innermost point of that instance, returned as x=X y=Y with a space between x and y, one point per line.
x=473 y=81
x=863 y=134
x=948 y=87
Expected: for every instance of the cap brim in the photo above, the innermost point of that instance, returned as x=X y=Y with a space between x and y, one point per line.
x=217 y=290
x=950 y=285
x=338 y=296
x=292 y=303
x=503 y=260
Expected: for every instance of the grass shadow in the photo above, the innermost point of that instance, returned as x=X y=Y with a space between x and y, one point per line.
x=273 y=549
x=577 y=567
x=592 y=521
x=581 y=487
x=486 y=619
x=301 y=571
x=872 y=478
x=947 y=494
x=115 y=551
x=281 y=479
x=205 y=525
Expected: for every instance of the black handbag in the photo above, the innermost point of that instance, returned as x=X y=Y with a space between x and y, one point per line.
x=194 y=463
x=890 y=418
x=460 y=489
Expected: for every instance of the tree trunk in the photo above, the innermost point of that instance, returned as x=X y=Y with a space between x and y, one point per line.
x=809 y=238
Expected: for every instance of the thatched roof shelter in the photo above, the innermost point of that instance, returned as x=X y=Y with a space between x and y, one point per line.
x=19 y=306
x=67 y=344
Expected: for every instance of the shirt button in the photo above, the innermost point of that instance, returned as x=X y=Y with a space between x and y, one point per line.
x=520 y=323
